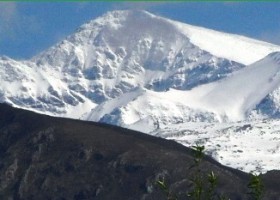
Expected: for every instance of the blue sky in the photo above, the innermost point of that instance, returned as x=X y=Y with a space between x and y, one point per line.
x=26 y=28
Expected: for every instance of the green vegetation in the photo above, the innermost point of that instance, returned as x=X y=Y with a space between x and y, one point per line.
x=198 y=179
x=256 y=187
x=163 y=186
x=204 y=186
x=212 y=180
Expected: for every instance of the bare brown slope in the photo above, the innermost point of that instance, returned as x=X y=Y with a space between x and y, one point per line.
x=53 y=158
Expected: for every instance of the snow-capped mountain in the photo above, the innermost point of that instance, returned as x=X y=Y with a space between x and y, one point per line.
x=145 y=72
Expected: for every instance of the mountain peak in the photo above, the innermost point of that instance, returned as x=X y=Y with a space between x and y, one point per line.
x=119 y=26
x=124 y=13
x=116 y=17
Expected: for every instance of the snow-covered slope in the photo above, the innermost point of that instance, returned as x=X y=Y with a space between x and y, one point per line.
x=141 y=71
x=249 y=146
x=230 y=99
x=233 y=47
x=240 y=93
x=153 y=108
x=230 y=46
x=24 y=85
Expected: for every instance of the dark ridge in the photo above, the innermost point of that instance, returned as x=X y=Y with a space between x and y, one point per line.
x=43 y=157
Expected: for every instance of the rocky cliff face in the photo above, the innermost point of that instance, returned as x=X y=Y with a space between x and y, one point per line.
x=51 y=158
